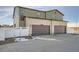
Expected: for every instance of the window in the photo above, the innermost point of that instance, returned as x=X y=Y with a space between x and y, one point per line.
x=23 y=18
x=55 y=12
x=49 y=14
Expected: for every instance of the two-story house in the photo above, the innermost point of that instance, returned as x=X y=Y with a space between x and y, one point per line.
x=39 y=22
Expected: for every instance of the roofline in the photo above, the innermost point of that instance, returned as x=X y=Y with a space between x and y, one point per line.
x=14 y=12
x=35 y=10
x=30 y=9
x=56 y=10
x=26 y=8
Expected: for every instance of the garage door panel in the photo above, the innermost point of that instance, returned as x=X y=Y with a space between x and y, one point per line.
x=60 y=29
x=40 y=30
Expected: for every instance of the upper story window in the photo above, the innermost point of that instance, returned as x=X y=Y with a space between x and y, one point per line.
x=55 y=12
x=23 y=18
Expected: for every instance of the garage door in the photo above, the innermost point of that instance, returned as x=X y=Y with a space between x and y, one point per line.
x=59 y=29
x=40 y=30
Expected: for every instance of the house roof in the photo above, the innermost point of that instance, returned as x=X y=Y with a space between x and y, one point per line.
x=37 y=10
x=26 y=8
x=30 y=9
x=56 y=10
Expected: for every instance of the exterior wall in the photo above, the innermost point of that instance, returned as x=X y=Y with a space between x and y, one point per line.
x=49 y=15
x=32 y=13
x=58 y=23
x=54 y=15
x=19 y=11
x=22 y=22
x=57 y=15
x=16 y=17
x=31 y=21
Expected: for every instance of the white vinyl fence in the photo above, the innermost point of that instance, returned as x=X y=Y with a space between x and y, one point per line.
x=13 y=32
x=2 y=35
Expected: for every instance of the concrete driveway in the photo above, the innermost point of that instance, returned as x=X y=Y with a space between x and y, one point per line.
x=53 y=43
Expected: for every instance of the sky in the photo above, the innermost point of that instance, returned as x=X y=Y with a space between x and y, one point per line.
x=71 y=13
x=6 y=13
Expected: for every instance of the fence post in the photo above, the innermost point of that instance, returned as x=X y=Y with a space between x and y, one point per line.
x=2 y=35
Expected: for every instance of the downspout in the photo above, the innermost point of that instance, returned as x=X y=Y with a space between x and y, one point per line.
x=51 y=27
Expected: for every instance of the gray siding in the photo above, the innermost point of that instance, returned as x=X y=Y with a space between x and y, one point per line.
x=49 y=15
x=54 y=15
x=32 y=13
x=16 y=17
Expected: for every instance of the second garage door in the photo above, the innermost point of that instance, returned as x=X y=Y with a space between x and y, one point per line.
x=59 y=29
x=40 y=30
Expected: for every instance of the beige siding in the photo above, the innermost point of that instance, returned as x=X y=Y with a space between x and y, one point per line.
x=30 y=22
x=57 y=23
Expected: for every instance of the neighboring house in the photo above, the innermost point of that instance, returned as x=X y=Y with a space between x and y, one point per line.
x=39 y=22
x=6 y=26
x=75 y=29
